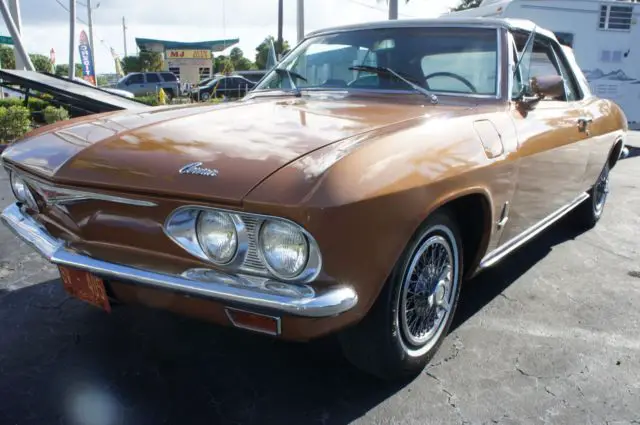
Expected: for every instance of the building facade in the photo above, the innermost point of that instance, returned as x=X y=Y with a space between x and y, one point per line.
x=189 y=61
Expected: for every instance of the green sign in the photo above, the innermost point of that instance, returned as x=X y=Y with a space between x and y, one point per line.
x=6 y=40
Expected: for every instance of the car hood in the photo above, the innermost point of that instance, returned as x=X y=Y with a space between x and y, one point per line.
x=242 y=143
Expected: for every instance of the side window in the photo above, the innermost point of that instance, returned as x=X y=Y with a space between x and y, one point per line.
x=232 y=83
x=571 y=89
x=153 y=78
x=135 y=79
x=544 y=58
x=565 y=38
x=171 y=76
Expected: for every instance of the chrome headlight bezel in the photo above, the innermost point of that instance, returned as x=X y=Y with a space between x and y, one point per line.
x=181 y=227
x=25 y=194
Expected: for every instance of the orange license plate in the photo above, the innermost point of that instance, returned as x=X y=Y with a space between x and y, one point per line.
x=85 y=286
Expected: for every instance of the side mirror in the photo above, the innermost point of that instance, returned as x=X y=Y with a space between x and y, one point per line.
x=551 y=86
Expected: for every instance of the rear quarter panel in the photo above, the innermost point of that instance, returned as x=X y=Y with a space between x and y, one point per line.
x=608 y=127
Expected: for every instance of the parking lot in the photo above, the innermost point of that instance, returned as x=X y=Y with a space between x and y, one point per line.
x=551 y=335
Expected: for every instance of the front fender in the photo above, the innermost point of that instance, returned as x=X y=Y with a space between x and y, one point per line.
x=363 y=199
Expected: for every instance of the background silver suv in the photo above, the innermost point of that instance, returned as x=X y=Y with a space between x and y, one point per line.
x=148 y=83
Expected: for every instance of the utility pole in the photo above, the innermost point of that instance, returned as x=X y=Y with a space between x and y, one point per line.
x=15 y=35
x=72 y=39
x=93 y=46
x=393 y=9
x=300 y=20
x=14 y=9
x=279 y=46
x=124 y=36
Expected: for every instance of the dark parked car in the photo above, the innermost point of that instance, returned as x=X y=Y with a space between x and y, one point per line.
x=232 y=86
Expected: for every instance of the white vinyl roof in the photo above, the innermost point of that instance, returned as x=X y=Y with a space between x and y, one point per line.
x=446 y=20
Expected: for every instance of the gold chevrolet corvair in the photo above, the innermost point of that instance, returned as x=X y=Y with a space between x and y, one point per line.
x=351 y=192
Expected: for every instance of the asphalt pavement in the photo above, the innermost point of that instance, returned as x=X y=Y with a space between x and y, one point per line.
x=549 y=336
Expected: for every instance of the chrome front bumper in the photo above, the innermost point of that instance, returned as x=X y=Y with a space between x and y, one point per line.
x=224 y=288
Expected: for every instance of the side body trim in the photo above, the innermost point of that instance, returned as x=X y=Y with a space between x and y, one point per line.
x=517 y=241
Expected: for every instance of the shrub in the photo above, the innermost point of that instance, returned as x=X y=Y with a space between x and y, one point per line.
x=15 y=122
x=53 y=114
x=35 y=105
x=149 y=100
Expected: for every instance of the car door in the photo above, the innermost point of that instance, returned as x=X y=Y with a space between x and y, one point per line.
x=232 y=87
x=552 y=141
x=153 y=82
x=243 y=86
x=135 y=84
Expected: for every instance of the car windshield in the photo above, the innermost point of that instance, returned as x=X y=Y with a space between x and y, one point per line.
x=446 y=60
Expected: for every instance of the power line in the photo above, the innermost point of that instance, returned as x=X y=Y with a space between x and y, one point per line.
x=68 y=11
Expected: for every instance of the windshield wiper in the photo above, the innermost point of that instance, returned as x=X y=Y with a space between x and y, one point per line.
x=388 y=71
x=292 y=77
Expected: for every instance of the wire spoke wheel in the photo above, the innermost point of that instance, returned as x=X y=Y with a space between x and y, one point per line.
x=428 y=292
x=601 y=190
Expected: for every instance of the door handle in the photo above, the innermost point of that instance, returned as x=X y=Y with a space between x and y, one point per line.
x=583 y=124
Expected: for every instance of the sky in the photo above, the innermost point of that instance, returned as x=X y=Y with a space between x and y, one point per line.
x=45 y=23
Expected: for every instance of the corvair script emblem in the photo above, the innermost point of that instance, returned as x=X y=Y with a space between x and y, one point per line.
x=194 y=168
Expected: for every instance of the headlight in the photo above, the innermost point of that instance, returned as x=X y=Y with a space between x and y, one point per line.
x=284 y=247
x=22 y=192
x=217 y=236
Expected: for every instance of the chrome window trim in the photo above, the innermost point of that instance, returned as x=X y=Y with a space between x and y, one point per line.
x=192 y=246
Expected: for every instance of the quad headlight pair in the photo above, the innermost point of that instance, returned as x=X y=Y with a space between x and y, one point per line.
x=226 y=239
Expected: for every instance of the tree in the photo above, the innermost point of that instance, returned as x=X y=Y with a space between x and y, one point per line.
x=102 y=81
x=466 y=4
x=7 y=58
x=240 y=63
x=40 y=62
x=218 y=64
x=145 y=62
x=151 y=61
x=131 y=64
x=262 y=51
x=63 y=70
x=228 y=67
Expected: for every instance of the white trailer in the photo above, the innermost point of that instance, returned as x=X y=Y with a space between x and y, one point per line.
x=604 y=35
